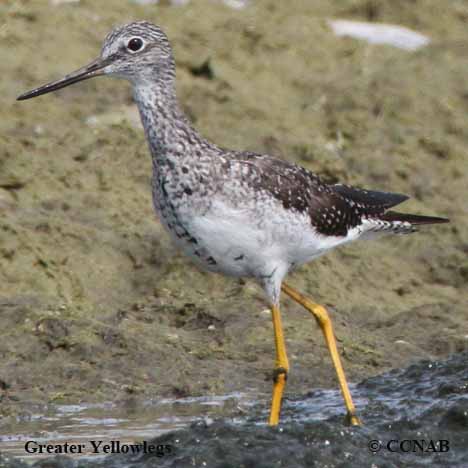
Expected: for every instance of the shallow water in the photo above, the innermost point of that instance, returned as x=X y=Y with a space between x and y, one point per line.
x=427 y=403
x=78 y=424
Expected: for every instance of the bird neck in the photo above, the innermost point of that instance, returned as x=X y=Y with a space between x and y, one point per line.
x=167 y=129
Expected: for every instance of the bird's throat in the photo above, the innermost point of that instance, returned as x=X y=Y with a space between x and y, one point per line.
x=166 y=126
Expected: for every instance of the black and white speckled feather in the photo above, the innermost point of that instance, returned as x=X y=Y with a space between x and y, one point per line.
x=237 y=213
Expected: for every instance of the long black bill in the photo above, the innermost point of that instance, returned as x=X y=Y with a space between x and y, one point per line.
x=95 y=68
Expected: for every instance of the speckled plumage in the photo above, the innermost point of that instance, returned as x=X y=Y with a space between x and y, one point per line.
x=242 y=213
x=233 y=212
x=236 y=213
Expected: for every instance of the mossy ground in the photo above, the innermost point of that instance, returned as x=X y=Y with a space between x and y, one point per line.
x=96 y=305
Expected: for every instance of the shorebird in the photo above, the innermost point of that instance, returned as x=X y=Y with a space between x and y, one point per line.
x=239 y=213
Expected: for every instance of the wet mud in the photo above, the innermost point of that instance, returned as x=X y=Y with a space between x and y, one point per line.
x=96 y=305
x=413 y=417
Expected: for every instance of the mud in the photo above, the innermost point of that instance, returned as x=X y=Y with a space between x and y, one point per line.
x=426 y=403
x=95 y=303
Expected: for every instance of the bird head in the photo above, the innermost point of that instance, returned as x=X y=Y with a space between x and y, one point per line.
x=139 y=52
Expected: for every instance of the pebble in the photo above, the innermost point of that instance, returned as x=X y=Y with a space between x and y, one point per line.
x=375 y=33
x=234 y=4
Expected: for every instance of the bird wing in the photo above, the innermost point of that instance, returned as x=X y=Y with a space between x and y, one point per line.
x=333 y=208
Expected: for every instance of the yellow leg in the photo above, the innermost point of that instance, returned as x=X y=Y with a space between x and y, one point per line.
x=281 y=367
x=323 y=319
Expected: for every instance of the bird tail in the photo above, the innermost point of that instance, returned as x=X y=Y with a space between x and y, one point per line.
x=392 y=222
x=403 y=223
x=414 y=220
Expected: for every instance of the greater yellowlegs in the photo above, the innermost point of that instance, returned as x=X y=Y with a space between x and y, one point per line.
x=238 y=213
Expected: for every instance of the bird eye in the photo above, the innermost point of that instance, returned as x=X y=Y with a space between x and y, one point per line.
x=135 y=44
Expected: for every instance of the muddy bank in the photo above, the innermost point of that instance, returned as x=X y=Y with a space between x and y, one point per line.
x=95 y=303
x=426 y=402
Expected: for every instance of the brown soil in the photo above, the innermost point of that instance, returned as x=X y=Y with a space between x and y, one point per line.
x=94 y=302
